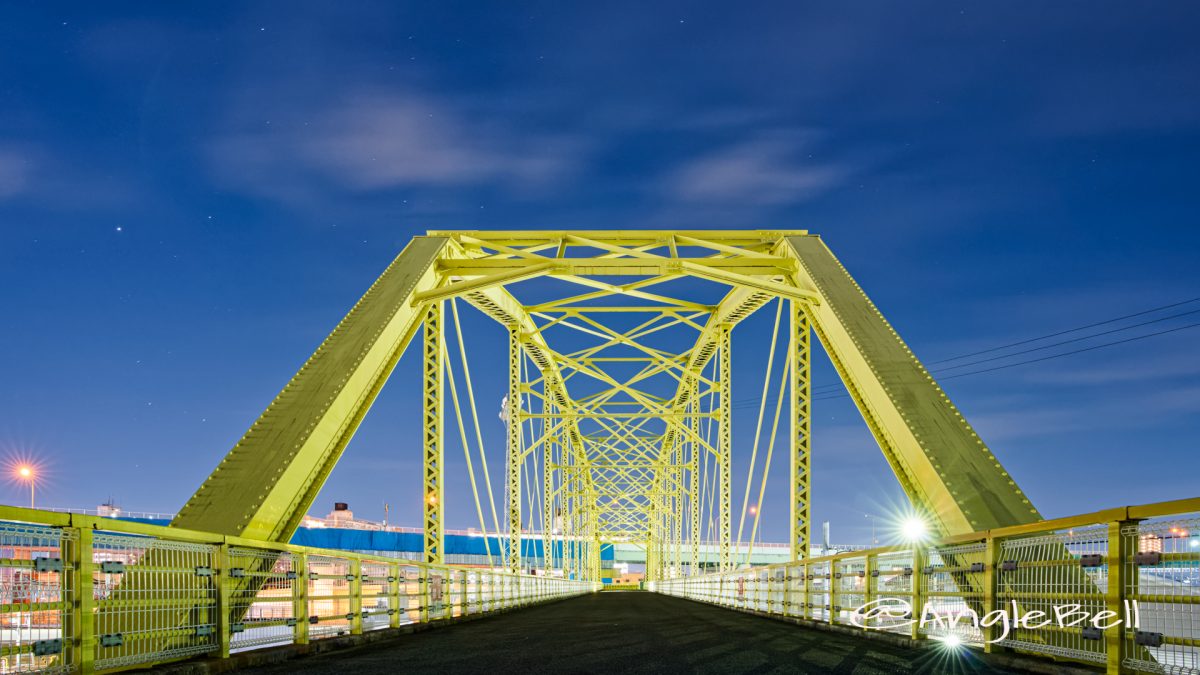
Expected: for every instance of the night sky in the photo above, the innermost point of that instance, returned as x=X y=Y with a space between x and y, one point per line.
x=190 y=199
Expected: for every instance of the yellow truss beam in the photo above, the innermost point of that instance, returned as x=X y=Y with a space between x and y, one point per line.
x=636 y=481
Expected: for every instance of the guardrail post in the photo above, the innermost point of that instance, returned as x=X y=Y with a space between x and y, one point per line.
x=868 y=581
x=424 y=581
x=1119 y=577
x=224 y=598
x=83 y=620
x=991 y=556
x=919 y=556
x=356 y=605
x=394 y=601
x=807 y=592
x=832 y=584
x=300 y=597
x=466 y=580
x=787 y=590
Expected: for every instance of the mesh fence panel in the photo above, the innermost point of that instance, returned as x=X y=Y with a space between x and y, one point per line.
x=1163 y=576
x=329 y=606
x=263 y=592
x=36 y=596
x=156 y=599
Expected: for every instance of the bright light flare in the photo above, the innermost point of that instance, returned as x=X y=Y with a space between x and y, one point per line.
x=913 y=528
x=952 y=641
x=25 y=472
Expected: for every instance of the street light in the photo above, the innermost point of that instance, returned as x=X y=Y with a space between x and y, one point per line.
x=754 y=511
x=28 y=473
x=874 y=539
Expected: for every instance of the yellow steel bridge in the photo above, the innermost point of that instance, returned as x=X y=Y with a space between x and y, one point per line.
x=617 y=429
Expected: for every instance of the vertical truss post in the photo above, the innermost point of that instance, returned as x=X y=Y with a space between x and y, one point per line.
x=661 y=498
x=568 y=515
x=652 y=542
x=724 y=446
x=801 y=415
x=513 y=478
x=677 y=506
x=681 y=514
x=577 y=524
x=434 y=446
x=694 y=483
x=548 y=445
x=594 y=542
x=573 y=520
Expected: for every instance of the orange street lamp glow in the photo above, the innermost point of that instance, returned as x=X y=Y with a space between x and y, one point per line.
x=26 y=472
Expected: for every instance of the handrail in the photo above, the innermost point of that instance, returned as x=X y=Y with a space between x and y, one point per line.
x=86 y=594
x=1106 y=561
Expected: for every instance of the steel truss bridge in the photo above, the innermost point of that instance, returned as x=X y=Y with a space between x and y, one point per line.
x=617 y=429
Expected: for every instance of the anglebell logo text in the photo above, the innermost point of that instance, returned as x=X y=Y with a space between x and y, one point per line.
x=897 y=612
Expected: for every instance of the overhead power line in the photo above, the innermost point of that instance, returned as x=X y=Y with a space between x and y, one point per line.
x=1052 y=356
x=1065 y=332
x=1065 y=342
x=834 y=387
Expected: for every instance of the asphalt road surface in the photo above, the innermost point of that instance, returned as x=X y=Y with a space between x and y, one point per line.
x=632 y=632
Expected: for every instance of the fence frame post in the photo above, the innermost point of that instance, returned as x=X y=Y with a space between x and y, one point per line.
x=869 y=565
x=83 y=606
x=787 y=589
x=807 y=592
x=356 y=597
x=832 y=585
x=224 y=598
x=300 y=596
x=1119 y=552
x=394 y=596
x=991 y=590
x=919 y=556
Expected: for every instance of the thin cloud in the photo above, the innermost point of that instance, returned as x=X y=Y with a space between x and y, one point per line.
x=14 y=173
x=373 y=141
x=761 y=172
x=30 y=172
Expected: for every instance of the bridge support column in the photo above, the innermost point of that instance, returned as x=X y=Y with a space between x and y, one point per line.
x=724 y=447
x=801 y=414
x=434 y=446
x=677 y=512
x=513 y=477
x=549 y=443
x=694 y=482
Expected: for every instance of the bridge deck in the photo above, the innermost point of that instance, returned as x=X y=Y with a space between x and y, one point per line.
x=630 y=633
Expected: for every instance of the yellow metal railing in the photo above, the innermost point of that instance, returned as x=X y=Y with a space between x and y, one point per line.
x=1117 y=588
x=160 y=594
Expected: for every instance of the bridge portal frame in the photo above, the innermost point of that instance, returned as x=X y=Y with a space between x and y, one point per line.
x=267 y=482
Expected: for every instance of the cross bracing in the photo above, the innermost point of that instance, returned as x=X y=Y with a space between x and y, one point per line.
x=618 y=414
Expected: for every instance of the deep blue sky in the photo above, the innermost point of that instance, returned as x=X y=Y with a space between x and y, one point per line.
x=191 y=198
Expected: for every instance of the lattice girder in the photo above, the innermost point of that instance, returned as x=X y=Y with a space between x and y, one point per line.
x=621 y=459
